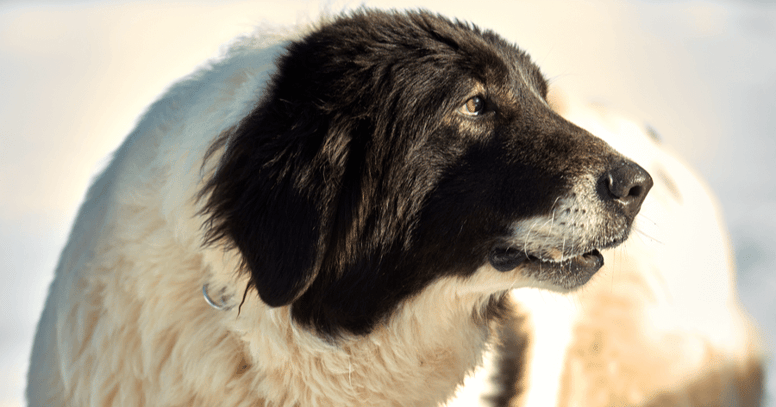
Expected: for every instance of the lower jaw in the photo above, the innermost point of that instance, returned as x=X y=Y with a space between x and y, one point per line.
x=589 y=262
x=567 y=274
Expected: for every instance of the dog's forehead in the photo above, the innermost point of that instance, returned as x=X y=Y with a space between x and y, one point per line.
x=499 y=65
x=520 y=72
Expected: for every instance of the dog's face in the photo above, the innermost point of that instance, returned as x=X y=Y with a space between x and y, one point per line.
x=392 y=150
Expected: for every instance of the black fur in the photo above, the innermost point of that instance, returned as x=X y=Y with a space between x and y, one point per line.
x=357 y=181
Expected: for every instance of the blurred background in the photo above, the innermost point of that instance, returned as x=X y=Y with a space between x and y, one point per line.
x=76 y=75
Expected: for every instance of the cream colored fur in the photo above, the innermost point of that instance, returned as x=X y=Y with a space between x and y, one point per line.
x=125 y=323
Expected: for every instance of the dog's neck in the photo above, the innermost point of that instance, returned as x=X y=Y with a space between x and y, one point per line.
x=418 y=357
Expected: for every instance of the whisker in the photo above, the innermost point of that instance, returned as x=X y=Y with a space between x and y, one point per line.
x=642 y=216
x=563 y=247
x=642 y=234
x=529 y=239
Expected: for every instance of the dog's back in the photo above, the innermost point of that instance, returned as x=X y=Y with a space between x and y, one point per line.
x=96 y=332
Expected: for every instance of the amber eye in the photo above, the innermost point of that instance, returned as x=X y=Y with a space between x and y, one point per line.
x=473 y=107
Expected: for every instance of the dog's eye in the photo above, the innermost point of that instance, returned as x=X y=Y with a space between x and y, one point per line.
x=473 y=107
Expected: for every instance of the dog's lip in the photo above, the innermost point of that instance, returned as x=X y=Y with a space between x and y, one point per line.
x=508 y=258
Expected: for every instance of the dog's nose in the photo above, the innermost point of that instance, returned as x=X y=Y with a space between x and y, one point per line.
x=629 y=184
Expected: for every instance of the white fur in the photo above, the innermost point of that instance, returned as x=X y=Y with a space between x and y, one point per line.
x=134 y=263
x=125 y=323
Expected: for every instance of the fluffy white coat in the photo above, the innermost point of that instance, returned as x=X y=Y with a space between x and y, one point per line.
x=126 y=325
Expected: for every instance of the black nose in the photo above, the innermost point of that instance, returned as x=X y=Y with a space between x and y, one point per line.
x=629 y=184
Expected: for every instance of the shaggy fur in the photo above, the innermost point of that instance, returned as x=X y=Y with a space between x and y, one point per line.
x=361 y=199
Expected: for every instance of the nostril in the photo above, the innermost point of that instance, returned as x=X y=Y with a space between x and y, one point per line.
x=629 y=184
x=635 y=191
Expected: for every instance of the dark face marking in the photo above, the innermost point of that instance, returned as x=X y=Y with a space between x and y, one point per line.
x=391 y=150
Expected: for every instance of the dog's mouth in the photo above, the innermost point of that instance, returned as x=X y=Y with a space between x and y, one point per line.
x=568 y=271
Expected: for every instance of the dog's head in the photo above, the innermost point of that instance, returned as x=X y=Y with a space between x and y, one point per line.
x=391 y=150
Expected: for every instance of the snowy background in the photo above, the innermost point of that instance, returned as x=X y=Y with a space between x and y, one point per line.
x=75 y=76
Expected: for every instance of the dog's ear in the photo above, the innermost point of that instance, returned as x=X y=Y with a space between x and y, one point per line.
x=271 y=197
x=275 y=193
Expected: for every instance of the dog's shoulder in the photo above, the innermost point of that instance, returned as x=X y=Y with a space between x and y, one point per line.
x=145 y=197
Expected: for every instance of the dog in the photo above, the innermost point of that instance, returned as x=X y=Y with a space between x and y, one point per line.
x=334 y=219
x=659 y=325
